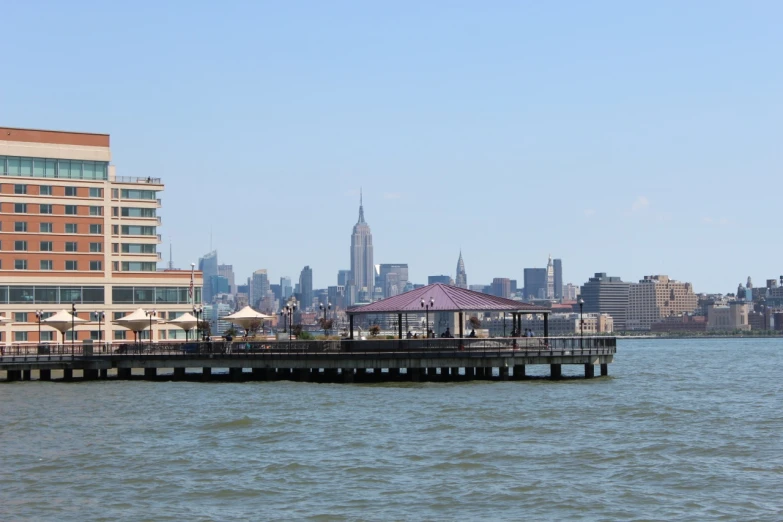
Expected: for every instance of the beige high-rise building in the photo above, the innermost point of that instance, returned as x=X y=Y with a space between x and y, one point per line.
x=657 y=297
x=74 y=235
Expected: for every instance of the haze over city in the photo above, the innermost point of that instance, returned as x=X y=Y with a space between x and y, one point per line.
x=507 y=131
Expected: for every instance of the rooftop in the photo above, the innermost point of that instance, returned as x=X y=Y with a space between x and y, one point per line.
x=54 y=136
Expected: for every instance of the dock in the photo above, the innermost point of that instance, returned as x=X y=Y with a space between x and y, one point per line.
x=323 y=361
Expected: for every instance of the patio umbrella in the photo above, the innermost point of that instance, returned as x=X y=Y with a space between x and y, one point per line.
x=185 y=321
x=63 y=321
x=137 y=321
x=246 y=317
x=4 y=319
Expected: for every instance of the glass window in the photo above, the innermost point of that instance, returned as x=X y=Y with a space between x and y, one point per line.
x=70 y=294
x=20 y=208
x=46 y=264
x=20 y=264
x=47 y=335
x=46 y=228
x=138 y=194
x=20 y=337
x=89 y=170
x=20 y=226
x=3 y=170
x=70 y=210
x=45 y=190
x=70 y=191
x=71 y=228
x=115 y=247
x=122 y=294
x=20 y=317
x=93 y=294
x=135 y=248
x=71 y=246
x=63 y=169
x=27 y=166
x=115 y=230
x=96 y=211
x=138 y=212
x=46 y=294
x=119 y=335
x=3 y=294
x=96 y=229
x=96 y=247
x=134 y=230
x=51 y=168
x=96 y=265
x=13 y=167
x=20 y=294
x=39 y=167
x=143 y=295
x=166 y=295
x=183 y=295
x=96 y=192
x=115 y=193
x=20 y=246
x=20 y=189
x=46 y=246
x=45 y=209
x=72 y=265
x=138 y=266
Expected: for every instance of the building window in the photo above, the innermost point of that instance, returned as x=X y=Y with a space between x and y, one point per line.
x=20 y=246
x=96 y=247
x=45 y=190
x=71 y=246
x=96 y=211
x=71 y=228
x=137 y=266
x=72 y=265
x=70 y=210
x=20 y=226
x=45 y=209
x=20 y=317
x=47 y=336
x=20 y=337
x=96 y=192
x=115 y=247
x=136 y=248
x=46 y=228
x=70 y=191
x=138 y=212
x=20 y=264
x=115 y=230
x=96 y=229
x=96 y=265
x=115 y=193
x=115 y=266
x=119 y=335
x=20 y=208
x=46 y=264
x=115 y=211
x=137 y=194
x=134 y=230
x=20 y=189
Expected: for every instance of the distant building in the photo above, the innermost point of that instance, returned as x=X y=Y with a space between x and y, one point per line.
x=306 y=287
x=209 y=266
x=227 y=271
x=680 y=324
x=444 y=279
x=343 y=277
x=462 y=276
x=392 y=278
x=259 y=287
x=550 y=279
x=567 y=324
x=558 y=267
x=570 y=292
x=535 y=283
x=484 y=289
x=501 y=287
x=603 y=294
x=728 y=318
x=656 y=297
x=285 y=287
x=362 y=267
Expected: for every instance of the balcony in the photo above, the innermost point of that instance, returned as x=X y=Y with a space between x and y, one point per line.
x=133 y=179
x=160 y=238
x=160 y=203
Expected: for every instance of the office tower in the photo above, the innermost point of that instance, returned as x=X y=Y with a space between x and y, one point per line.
x=73 y=234
x=462 y=276
x=306 y=287
x=285 y=287
x=535 y=283
x=393 y=277
x=656 y=297
x=362 y=268
x=501 y=287
x=550 y=279
x=343 y=277
x=209 y=267
x=558 y=266
x=227 y=271
x=444 y=279
x=259 y=287
x=603 y=294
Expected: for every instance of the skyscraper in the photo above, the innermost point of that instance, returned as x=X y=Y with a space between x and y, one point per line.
x=306 y=287
x=227 y=271
x=392 y=278
x=462 y=277
x=501 y=287
x=550 y=279
x=535 y=283
x=209 y=266
x=607 y=295
x=259 y=286
x=362 y=268
x=558 y=278
x=285 y=287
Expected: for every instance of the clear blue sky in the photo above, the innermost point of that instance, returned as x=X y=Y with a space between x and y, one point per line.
x=625 y=137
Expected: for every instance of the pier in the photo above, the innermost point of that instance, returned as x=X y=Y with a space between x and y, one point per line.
x=339 y=361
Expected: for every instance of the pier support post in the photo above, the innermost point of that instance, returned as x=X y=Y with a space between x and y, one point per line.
x=258 y=374
x=394 y=373
x=303 y=374
x=415 y=374
x=604 y=370
x=488 y=372
x=45 y=375
x=589 y=371
x=13 y=375
x=454 y=373
x=68 y=374
x=150 y=373
x=347 y=375
x=235 y=374
x=103 y=373
x=556 y=371
x=179 y=374
x=123 y=373
x=470 y=372
x=519 y=371
x=90 y=374
x=206 y=374
x=330 y=374
x=27 y=375
x=504 y=373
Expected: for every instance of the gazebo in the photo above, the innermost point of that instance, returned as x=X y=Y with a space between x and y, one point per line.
x=440 y=297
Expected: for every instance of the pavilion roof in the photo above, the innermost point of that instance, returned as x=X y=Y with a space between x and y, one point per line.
x=447 y=298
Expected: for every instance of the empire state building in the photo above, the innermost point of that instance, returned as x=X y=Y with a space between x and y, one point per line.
x=362 y=269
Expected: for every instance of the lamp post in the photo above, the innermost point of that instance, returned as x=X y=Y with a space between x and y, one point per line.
x=150 y=314
x=427 y=307
x=198 y=310
x=73 y=326
x=325 y=308
x=39 y=316
x=581 y=322
x=289 y=310
x=99 y=316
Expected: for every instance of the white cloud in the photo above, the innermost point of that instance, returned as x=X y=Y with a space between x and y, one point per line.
x=641 y=203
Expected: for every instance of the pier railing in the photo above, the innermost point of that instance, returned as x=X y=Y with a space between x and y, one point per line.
x=397 y=348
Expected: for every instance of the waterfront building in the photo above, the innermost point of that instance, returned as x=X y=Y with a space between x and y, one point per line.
x=656 y=297
x=604 y=294
x=462 y=276
x=75 y=235
x=535 y=283
x=501 y=287
x=306 y=288
x=558 y=278
x=681 y=324
x=362 y=267
x=730 y=317
x=209 y=267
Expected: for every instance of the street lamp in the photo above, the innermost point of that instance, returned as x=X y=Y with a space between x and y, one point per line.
x=39 y=316
x=289 y=310
x=427 y=307
x=325 y=308
x=99 y=316
x=73 y=325
x=150 y=314
x=198 y=310
x=581 y=322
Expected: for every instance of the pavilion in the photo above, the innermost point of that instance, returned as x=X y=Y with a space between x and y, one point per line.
x=440 y=297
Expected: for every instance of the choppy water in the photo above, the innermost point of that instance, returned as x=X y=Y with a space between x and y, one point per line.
x=681 y=430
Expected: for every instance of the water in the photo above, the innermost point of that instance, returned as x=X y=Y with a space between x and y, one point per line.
x=680 y=430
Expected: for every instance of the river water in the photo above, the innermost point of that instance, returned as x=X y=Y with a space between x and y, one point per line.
x=685 y=429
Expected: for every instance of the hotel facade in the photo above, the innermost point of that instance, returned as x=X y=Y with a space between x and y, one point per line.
x=74 y=235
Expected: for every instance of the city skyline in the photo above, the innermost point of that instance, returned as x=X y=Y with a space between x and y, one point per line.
x=629 y=156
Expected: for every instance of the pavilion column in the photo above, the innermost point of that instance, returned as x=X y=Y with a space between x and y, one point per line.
x=546 y=325
x=399 y=324
x=350 y=321
x=461 y=325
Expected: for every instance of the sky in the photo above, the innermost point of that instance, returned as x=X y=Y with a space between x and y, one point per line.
x=622 y=137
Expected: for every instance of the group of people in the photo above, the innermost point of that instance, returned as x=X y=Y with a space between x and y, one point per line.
x=527 y=333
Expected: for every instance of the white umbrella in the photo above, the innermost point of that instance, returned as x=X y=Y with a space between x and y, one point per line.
x=246 y=317
x=4 y=319
x=63 y=321
x=185 y=321
x=137 y=321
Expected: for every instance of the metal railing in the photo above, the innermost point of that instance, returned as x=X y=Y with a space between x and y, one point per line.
x=135 y=179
